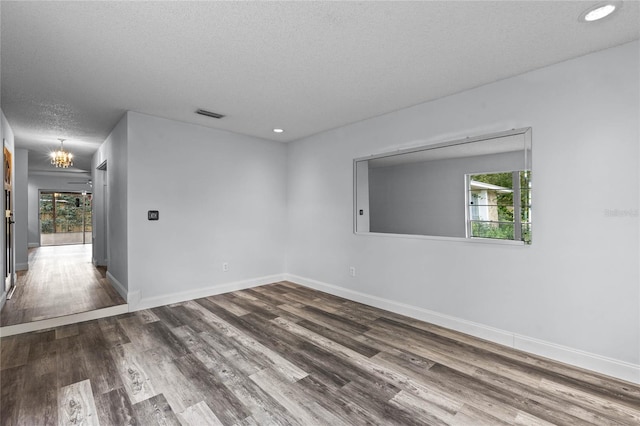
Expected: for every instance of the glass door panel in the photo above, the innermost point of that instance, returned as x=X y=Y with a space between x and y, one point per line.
x=65 y=218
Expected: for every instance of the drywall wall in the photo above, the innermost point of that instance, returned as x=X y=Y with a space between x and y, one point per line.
x=110 y=245
x=6 y=134
x=362 y=203
x=428 y=198
x=221 y=198
x=49 y=181
x=576 y=286
x=21 y=163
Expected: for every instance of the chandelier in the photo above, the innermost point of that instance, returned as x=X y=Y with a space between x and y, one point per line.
x=62 y=158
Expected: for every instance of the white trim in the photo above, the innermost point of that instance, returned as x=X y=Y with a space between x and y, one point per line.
x=117 y=285
x=182 y=296
x=133 y=298
x=426 y=146
x=22 y=266
x=33 y=245
x=590 y=361
x=472 y=240
x=98 y=262
x=10 y=330
x=604 y=365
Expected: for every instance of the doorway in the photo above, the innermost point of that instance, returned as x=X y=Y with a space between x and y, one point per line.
x=65 y=218
x=61 y=280
x=9 y=279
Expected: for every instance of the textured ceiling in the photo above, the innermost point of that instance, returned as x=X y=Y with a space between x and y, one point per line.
x=71 y=69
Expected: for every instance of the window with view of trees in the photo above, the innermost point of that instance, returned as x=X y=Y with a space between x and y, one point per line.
x=65 y=218
x=499 y=205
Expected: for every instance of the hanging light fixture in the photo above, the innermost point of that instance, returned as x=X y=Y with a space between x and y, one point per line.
x=62 y=158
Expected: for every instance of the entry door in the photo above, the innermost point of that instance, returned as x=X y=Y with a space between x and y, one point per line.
x=8 y=220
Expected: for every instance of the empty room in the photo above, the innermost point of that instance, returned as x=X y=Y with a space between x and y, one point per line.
x=320 y=213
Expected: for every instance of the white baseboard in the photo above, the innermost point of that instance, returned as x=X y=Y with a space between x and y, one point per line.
x=22 y=266
x=33 y=245
x=182 y=296
x=122 y=291
x=133 y=298
x=612 y=367
x=10 y=330
x=609 y=366
x=590 y=361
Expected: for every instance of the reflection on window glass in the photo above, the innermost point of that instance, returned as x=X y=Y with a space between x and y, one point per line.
x=499 y=205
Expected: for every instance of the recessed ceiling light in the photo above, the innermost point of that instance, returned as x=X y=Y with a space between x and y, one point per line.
x=599 y=11
x=278 y=130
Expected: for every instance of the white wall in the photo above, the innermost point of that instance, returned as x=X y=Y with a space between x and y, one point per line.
x=362 y=204
x=115 y=151
x=6 y=134
x=50 y=181
x=221 y=198
x=575 y=286
x=21 y=162
x=224 y=197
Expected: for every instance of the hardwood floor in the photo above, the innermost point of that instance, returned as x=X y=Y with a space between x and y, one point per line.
x=287 y=355
x=61 y=280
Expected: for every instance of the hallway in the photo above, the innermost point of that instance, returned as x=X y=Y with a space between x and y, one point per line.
x=61 y=280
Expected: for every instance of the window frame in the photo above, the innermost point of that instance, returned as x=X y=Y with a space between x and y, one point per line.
x=516 y=205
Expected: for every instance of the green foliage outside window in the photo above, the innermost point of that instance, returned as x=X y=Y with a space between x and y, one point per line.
x=505 y=207
x=503 y=231
x=68 y=217
x=504 y=199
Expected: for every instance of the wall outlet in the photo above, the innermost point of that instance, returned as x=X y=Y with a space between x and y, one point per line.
x=225 y=267
x=352 y=271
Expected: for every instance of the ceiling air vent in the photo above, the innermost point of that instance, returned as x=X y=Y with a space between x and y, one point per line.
x=209 y=113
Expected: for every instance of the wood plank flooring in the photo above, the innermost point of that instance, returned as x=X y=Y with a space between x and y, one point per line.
x=61 y=280
x=283 y=354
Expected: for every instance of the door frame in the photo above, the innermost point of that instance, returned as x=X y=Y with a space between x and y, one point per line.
x=9 y=223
